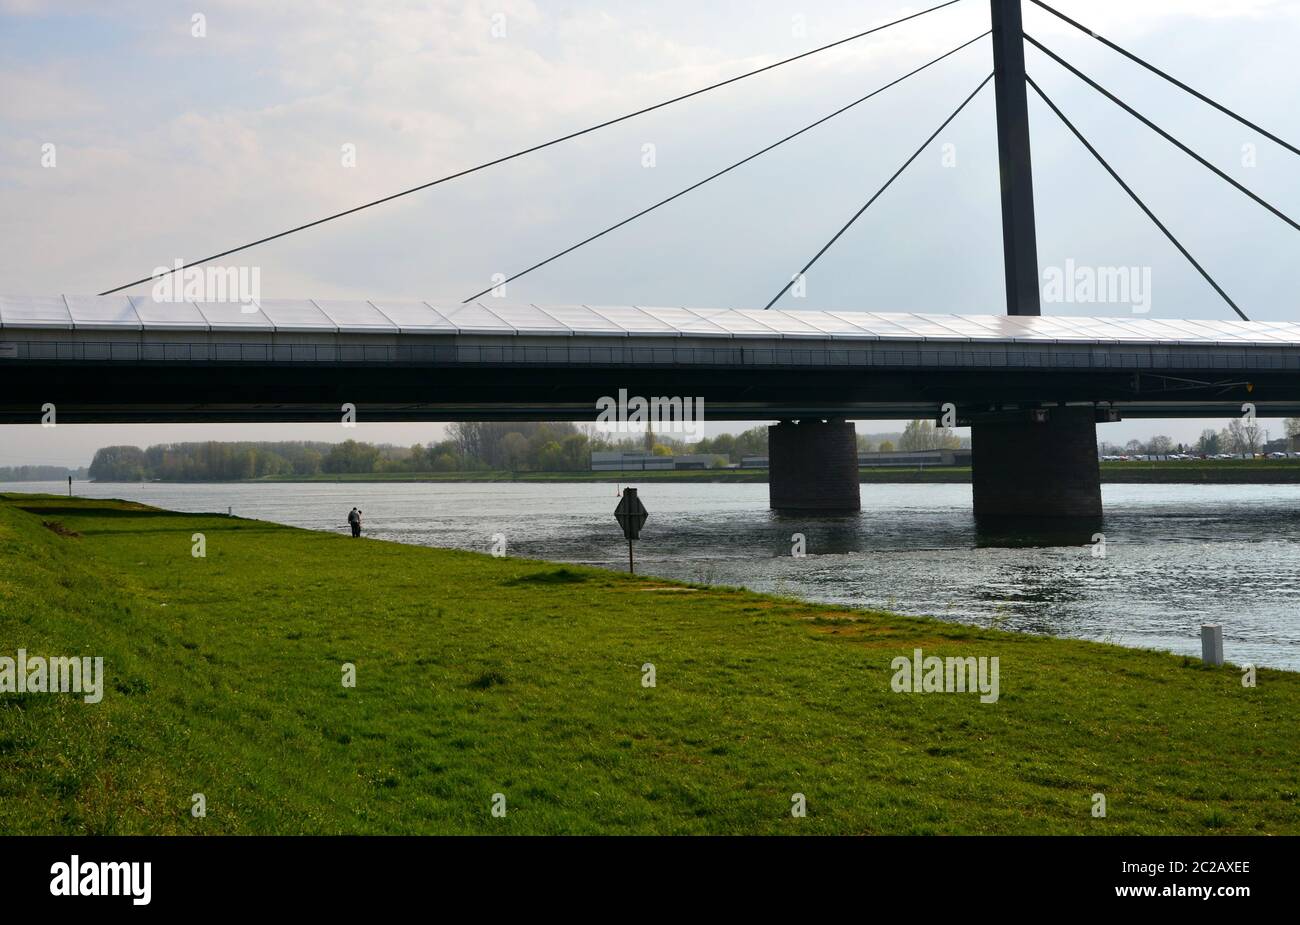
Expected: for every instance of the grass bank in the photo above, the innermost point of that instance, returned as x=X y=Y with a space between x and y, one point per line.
x=477 y=676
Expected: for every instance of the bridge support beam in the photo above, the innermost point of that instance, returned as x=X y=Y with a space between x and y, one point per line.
x=813 y=466
x=1036 y=464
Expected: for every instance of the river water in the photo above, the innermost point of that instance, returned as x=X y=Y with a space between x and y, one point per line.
x=1176 y=556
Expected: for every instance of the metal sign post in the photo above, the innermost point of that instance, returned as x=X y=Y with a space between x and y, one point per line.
x=631 y=516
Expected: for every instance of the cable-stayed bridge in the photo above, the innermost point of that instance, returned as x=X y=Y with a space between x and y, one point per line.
x=1032 y=388
x=127 y=358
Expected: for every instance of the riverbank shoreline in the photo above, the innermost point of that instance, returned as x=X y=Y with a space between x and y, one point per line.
x=593 y=701
x=1228 y=472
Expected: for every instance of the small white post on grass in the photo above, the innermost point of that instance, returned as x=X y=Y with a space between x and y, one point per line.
x=1212 y=644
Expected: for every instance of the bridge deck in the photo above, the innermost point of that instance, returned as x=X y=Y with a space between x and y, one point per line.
x=125 y=358
x=487 y=318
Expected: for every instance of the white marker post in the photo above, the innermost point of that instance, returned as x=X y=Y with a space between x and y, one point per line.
x=1212 y=644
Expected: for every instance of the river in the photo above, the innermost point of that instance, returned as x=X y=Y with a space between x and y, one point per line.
x=1176 y=556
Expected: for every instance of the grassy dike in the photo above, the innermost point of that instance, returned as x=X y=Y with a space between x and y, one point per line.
x=478 y=676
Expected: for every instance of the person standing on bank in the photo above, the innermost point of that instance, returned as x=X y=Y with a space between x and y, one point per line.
x=354 y=521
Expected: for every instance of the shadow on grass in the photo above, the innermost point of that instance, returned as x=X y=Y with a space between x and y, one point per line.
x=233 y=528
x=559 y=576
x=486 y=680
x=68 y=510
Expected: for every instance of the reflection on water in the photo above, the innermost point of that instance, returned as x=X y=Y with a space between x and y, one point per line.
x=1176 y=555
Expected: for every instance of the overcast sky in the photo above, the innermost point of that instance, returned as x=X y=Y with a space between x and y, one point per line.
x=173 y=146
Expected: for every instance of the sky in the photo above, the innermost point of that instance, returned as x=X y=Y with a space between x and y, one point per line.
x=174 y=145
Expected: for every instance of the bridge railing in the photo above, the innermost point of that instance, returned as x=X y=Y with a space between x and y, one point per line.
x=1009 y=356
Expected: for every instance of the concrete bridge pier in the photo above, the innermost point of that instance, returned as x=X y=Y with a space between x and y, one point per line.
x=1036 y=464
x=813 y=466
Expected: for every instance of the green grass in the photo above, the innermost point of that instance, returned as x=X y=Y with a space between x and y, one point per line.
x=478 y=676
x=1213 y=471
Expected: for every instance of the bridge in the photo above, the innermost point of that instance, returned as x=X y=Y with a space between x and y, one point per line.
x=1032 y=388
x=1022 y=380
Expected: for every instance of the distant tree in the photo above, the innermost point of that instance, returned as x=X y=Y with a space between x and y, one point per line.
x=39 y=473
x=445 y=462
x=1292 y=426
x=723 y=445
x=1160 y=445
x=550 y=457
x=575 y=452
x=1245 y=436
x=351 y=457
x=514 y=451
x=752 y=442
x=887 y=446
x=118 y=464
x=1209 y=443
x=924 y=435
x=417 y=459
x=734 y=447
x=308 y=463
x=467 y=437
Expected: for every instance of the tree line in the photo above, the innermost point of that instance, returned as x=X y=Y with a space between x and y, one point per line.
x=1242 y=436
x=524 y=447
x=474 y=446
x=469 y=447
x=40 y=473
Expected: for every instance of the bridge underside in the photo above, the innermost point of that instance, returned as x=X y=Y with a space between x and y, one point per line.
x=1032 y=388
x=112 y=392
x=1033 y=431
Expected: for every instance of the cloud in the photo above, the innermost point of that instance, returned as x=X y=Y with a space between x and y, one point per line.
x=171 y=146
x=182 y=146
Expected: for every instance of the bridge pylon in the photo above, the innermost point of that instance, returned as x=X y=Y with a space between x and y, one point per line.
x=813 y=466
x=1040 y=463
x=1015 y=165
x=1036 y=464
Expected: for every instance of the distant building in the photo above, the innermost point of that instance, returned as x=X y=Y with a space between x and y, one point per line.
x=647 y=462
x=693 y=461
x=628 y=462
x=915 y=458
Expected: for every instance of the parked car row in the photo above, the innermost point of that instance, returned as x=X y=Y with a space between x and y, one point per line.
x=1175 y=457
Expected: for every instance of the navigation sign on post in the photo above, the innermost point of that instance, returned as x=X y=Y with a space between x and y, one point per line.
x=631 y=516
